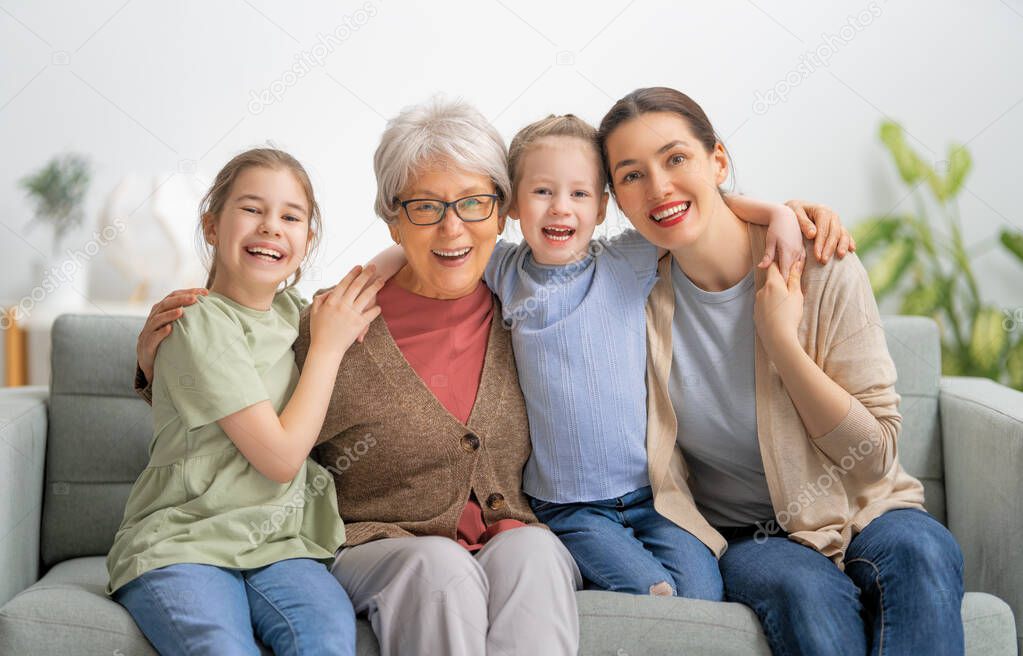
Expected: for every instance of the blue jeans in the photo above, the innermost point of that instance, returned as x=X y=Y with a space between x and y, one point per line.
x=901 y=592
x=293 y=606
x=624 y=545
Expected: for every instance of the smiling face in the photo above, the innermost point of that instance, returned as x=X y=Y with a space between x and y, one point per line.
x=260 y=234
x=664 y=179
x=560 y=198
x=445 y=260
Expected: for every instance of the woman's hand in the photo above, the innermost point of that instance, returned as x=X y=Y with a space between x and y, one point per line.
x=820 y=223
x=784 y=240
x=339 y=317
x=778 y=309
x=160 y=323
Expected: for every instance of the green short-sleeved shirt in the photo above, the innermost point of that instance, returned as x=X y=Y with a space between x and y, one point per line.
x=200 y=500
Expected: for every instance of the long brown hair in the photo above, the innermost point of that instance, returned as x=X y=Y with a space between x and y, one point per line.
x=656 y=99
x=213 y=202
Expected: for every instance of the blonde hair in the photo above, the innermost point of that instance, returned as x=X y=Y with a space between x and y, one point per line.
x=566 y=125
x=213 y=202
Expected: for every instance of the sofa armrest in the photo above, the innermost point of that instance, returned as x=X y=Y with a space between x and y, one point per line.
x=982 y=434
x=22 y=455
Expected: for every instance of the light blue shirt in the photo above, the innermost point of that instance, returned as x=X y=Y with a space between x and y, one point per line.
x=579 y=334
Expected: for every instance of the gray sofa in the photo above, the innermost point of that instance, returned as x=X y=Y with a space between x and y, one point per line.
x=68 y=456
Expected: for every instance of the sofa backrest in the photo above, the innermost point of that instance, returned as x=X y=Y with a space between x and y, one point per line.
x=100 y=431
x=916 y=350
x=98 y=438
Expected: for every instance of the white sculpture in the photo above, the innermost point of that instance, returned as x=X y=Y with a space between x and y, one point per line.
x=154 y=251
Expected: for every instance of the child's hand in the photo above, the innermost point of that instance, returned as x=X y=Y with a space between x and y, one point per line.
x=160 y=323
x=784 y=241
x=340 y=316
x=778 y=308
x=820 y=223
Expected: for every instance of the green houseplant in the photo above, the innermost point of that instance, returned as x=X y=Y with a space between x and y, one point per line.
x=58 y=189
x=925 y=266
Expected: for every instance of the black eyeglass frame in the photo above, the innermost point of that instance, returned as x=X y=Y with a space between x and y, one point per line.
x=453 y=205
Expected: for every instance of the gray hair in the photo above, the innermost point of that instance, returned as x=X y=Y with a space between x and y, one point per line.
x=439 y=130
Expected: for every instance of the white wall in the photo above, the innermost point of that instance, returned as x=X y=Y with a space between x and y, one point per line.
x=166 y=88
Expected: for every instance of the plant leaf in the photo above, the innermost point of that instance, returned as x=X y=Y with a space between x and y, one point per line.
x=887 y=271
x=924 y=299
x=936 y=183
x=1012 y=240
x=874 y=231
x=909 y=164
x=922 y=232
x=58 y=190
x=952 y=362
x=959 y=165
x=988 y=339
x=1014 y=365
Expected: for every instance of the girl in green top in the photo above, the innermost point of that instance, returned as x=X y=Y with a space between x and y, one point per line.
x=226 y=531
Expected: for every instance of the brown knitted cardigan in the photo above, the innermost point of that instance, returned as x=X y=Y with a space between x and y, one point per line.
x=402 y=464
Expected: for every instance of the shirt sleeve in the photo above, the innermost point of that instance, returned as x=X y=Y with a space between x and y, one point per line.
x=639 y=253
x=143 y=388
x=299 y=301
x=290 y=304
x=501 y=267
x=206 y=367
x=859 y=361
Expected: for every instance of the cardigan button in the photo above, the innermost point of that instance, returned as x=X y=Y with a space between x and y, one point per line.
x=470 y=442
x=495 y=501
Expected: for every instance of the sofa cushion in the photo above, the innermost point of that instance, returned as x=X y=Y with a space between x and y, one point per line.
x=98 y=438
x=630 y=625
x=67 y=612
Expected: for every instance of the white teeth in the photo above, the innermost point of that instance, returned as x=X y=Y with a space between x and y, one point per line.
x=458 y=253
x=259 y=250
x=558 y=234
x=671 y=211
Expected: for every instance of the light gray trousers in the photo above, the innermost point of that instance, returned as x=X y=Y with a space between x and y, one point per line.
x=428 y=595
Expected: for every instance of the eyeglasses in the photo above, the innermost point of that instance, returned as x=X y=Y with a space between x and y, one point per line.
x=429 y=211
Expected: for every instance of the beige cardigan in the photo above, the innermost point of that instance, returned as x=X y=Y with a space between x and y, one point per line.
x=823 y=490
